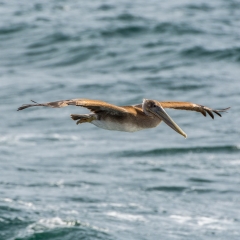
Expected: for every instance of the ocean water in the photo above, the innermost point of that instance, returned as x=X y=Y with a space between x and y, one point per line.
x=62 y=181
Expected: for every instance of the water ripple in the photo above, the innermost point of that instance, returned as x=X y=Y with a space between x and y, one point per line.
x=173 y=151
x=219 y=54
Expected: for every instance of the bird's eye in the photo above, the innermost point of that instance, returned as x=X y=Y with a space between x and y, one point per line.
x=154 y=105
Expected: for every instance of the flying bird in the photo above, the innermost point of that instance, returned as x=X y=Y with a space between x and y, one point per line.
x=148 y=114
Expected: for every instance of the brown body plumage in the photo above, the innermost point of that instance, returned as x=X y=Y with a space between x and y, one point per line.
x=128 y=118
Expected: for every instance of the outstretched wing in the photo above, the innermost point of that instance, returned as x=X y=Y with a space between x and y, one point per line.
x=95 y=106
x=190 y=107
x=193 y=107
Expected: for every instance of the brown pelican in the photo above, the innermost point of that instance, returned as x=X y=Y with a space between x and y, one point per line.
x=128 y=118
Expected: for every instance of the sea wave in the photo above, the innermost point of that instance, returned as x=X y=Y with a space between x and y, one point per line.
x=32 y=139
x=48 y=228
x=125 y=216
x=126 y=31
x=173 y=151
x=232 y=54
x=190 y=190
x=12 y=28
x=176 y=28
x=203 y=221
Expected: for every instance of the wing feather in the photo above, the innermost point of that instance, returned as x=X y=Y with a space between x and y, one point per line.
x=93 y=105
x=193 y=107
x=189 y=107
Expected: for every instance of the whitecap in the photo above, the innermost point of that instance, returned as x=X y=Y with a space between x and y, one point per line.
x=26 y=204
x=124 y=216
x=7 y=200
x=32 y=139
x=181 y=219
x=205 y=220
x=234 y=162
x=22 y=203
x=46 y=224
x=59 y=183
x=201 y=221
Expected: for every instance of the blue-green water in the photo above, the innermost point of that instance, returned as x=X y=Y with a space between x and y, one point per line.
x=62 y=181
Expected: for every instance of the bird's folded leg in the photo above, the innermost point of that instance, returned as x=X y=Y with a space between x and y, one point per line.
x=84 y=118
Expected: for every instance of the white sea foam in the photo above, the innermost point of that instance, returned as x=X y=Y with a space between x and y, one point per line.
x=14 y=140
x=200 y=221
x=46 y=224
x=72 y=212
x=180 y=219
x=59 y=183
x=31 y=139
x=234 y=162
x=26 y=204
x=7 y=200
x=124 y=216
x=50 y=223
x=22 y=203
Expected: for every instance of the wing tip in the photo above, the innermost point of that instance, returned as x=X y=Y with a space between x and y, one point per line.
x=211 y=111
x=28 y=105
x=221 y=110
x=23 y=107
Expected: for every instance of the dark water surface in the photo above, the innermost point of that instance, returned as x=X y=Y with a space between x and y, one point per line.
x=62 y=181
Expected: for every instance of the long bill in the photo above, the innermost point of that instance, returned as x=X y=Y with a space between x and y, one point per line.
x=161 y=113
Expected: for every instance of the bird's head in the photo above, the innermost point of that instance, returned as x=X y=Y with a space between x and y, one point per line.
x=153 y=108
